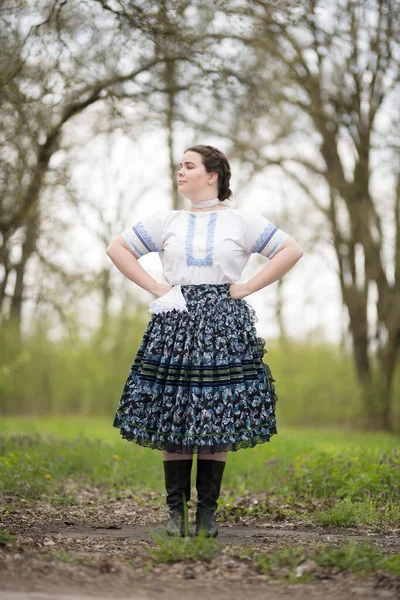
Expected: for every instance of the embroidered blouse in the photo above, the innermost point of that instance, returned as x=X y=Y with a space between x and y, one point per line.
x=204 y=247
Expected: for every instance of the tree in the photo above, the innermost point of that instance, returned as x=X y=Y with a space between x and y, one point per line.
x=326 y=117
x=61 y=60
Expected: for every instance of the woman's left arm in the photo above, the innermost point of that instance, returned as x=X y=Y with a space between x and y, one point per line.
x=284 y=259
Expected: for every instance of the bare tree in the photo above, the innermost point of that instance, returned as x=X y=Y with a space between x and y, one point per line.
x=60 y=61
x=327 y=117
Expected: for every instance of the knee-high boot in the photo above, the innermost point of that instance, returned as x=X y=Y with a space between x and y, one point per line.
x=177 y=485
x=208 y=484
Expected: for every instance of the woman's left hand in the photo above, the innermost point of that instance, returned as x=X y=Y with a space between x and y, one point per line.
x=239 y=290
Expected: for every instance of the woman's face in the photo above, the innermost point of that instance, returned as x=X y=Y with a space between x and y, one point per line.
x=193 y=179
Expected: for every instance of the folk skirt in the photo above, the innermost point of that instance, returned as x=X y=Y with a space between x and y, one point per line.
x=198 y=383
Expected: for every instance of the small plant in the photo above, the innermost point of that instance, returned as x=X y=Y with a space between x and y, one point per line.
x=67 y=499
x=352 y=557
x=282 y=563
x=356 y=558
x=342 y=514
x=178 y=549
x=357 y=477
x=347 y=513
x=63 y=556
x=6 y=538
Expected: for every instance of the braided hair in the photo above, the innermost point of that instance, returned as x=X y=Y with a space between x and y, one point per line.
x=216 y=162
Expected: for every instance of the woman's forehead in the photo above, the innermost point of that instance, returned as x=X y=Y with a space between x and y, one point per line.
x=193 y=157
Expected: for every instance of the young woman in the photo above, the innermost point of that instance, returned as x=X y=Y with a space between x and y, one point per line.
x=198 y=383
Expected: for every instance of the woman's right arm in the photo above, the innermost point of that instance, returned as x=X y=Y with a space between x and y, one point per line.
x=126 y=262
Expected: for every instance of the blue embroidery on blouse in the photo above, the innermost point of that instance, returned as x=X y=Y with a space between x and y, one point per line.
x=264 y=238
x=144 y=237
x=191 y=261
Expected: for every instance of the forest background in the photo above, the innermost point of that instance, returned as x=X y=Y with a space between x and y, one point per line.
x=98 y=100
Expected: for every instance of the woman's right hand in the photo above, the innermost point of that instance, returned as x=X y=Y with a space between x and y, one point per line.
x=161 y=289
x=239 y=290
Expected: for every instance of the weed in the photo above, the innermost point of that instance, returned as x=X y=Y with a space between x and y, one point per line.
x=178 y=549
x=352 y=557
x=66 y=499
x=282 y=564
x=357 y=558
x=64 y=556
x=6 y=537
x=342 y=514
x=347 y=513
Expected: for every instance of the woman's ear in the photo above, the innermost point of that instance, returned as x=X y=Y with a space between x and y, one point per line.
x=212 y=178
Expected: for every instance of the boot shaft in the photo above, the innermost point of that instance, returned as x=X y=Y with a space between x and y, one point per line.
x=208 y=482
x=177 y=484
x=177 y=474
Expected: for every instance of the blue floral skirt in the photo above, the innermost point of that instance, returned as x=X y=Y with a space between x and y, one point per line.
x=198 y=382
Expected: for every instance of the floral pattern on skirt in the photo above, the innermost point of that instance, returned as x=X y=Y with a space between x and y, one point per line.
x=198 y=382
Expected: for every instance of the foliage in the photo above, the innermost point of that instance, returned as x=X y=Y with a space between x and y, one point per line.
x=177 y=549
x=351 y=557
x=347 y=513
x=359 y=486
x=342 y=476
x=6 y=537
x=31 y=465
x=67 y=376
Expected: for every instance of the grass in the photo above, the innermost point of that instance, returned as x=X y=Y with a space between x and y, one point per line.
x=352 y=557
x=357 y=474
x=333 y=478
x=347 y=513
x=6 y=537
x=177 y=549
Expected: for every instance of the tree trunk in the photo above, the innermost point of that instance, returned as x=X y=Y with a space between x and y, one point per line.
x=106 y=293
x=28 y=248
x=5 y=262
x=376 y=394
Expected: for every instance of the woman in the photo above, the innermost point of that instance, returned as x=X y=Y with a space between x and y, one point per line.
x=198 y=383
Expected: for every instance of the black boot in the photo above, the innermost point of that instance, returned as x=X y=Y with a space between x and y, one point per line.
x=177 y=485
x=208 y=484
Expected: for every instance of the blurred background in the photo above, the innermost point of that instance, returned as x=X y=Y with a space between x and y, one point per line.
x=99 y=99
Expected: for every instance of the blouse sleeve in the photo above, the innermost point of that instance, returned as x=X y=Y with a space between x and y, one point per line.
x=261 y=236
x=146 y=235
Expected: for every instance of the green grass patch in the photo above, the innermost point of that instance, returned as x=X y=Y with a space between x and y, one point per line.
x=64 y=556
x=6 y=537
x=347 y=513
x=31 y=466
x=356 y=475
x=358 y=558
x=347 y=476
x=352 y=558
x=178 y=549
x=282 y=564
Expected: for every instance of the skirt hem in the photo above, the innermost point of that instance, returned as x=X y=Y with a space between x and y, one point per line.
x=175 y=446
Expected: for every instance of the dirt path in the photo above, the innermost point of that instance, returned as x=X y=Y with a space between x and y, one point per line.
x=231 y=534
x=99 y=548
x=174 y=589
x=78 y=563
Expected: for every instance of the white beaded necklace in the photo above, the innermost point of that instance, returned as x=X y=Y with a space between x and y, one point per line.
x=205 y=203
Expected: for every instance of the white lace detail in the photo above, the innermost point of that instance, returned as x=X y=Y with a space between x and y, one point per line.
x=204 y=203
x=172 y=299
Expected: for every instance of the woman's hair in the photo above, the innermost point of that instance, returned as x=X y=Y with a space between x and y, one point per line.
x=216 y=162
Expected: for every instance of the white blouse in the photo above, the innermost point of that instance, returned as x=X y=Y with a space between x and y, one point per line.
x=204 y=247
